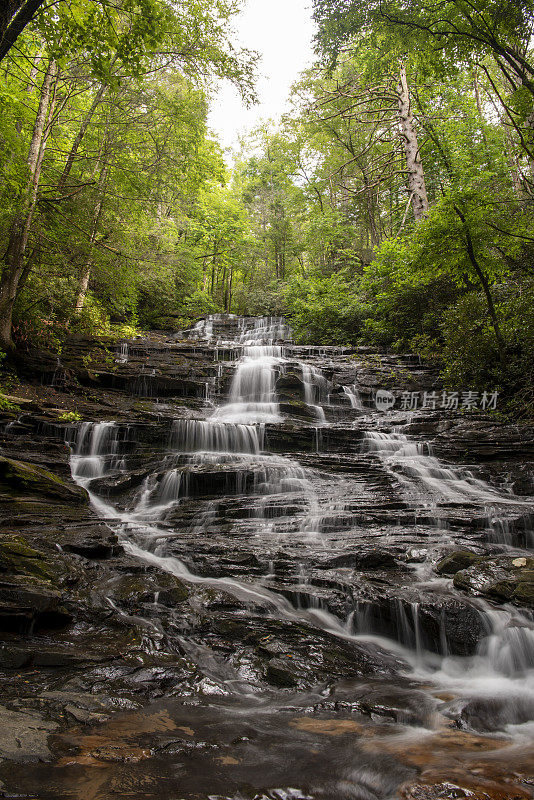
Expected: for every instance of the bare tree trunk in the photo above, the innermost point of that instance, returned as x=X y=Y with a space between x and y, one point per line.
x=228 y=293
x=213 y=268
x=14 y=266
x=481 y=275
x=14 y=16
x=416 y=175
x=79 y=136
x=85 y=275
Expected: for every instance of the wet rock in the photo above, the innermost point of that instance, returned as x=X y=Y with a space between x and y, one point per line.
x=297 y=408
x=294 y=654
x=487 y=714
x=456 y=561
x=443 y=625
x=133 y=590
x=451 y=789
x=503 y=578
x=117 y=483
x=362 y=560
x=416 y=555
x=19 y=558
x=282 y=673
x=480 y=439
x=24 y=736
x=95 y=544
x=290 y=387
x=30 y=605
x=460 y=626
x=22 y=477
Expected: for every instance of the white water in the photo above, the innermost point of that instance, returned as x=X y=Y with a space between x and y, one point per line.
x=314 y=389
x=414 y=465
x=354 y=397
x=253 y=396
x=190 y=436
x=122 y=353
x=505 y=660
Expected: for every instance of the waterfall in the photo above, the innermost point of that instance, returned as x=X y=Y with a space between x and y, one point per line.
x=354 y=397
x=220 y=460
x=190 y=436
x=122 y=353
x=314 y=388
x=253 y=396
x=95 y=450
x=413 y=463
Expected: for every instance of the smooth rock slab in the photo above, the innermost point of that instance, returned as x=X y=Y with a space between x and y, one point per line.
x=25 y=478
x=23 y=736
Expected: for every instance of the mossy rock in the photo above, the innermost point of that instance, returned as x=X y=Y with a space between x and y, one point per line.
x=18 y=477
x=137 y=589
x=18 y=558
x=502 y=578
x=456 y=561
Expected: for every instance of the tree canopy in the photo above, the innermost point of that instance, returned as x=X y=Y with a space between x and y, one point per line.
x=391 y=206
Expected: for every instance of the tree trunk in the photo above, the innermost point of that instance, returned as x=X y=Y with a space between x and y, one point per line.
x=14 y=17
x=83 y=285
x=501 y=345
x=14 y=266
x=228 y=295
x=83 y=282
x=79 y=136
x=416 y=176
x=213 y=268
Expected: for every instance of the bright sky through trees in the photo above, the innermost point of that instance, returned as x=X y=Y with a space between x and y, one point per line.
x=282 y=32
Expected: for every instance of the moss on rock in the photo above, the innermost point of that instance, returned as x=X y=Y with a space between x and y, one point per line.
x=503 y=578
x=22 y=477
x=456 y=561
x=18 y=558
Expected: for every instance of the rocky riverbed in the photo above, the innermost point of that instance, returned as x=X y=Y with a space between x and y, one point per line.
x=234 y=577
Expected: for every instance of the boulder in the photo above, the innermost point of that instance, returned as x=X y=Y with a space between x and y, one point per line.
x=20 y=477
x=364 y=559
x=456 y=561
x=503 y=578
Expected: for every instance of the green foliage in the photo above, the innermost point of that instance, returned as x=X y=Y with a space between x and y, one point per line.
x=325 y=310
x=7 y=405
x=138 y=223
x=70 y=416
x=469 y=353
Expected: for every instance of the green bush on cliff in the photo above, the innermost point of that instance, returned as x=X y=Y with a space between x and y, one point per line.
x=7 y=405
x=70 y=416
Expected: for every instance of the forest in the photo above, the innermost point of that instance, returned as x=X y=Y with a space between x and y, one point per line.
x=392 y=206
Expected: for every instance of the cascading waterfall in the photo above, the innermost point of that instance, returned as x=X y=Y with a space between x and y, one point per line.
x=508 y=649
x=314 y=389
x=253 y=391
x=191 y=436
x=353 y=396
x=232 y=439
x=95 y=450
x=421 y=472
x=122 y=353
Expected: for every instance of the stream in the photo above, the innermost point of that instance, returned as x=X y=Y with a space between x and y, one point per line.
x=381 y=674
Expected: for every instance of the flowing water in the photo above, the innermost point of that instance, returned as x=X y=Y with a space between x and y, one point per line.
x=307 y=511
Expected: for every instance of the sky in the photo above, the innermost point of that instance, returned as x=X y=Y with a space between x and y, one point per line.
x=282 y=32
